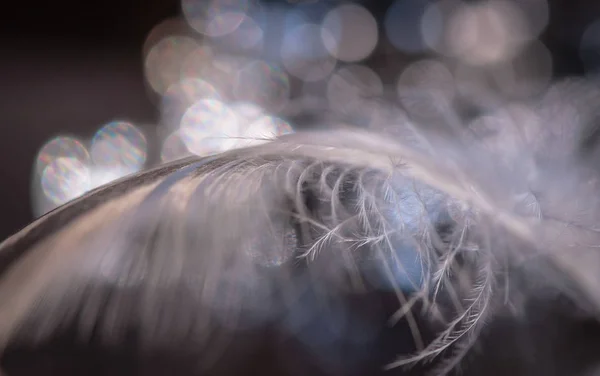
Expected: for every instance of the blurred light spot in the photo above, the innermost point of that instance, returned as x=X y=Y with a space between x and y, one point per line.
x=271 y=19
x=526 y=75
x=214 y=17
x=349 y=32
x=225 y=23
x=119 y=146
x=304 y=55
x=64 y=179
x=426 y=89
x=105 y=175
x=195 y=64
x=61 y=147
x=174 y=147
x=264 y=129
x=209 y=127
x=222 y=72
x=487 y=33
x=311 y=11
x=434 y=24
x=248 y=37
x=403 y=25
x=180 y=96
x=294 y=18
x=203 y=144
x=168 y=27
x=247 y=112
x=264 y=84
x=353 y=89
x=589 y=48
x=164 y=61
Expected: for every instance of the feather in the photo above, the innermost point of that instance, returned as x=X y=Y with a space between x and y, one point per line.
x=187 y=253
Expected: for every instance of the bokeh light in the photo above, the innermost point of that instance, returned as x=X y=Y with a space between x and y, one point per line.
x=119 y=146
x=487 y=33
x=234 y=73
x=214 y=17
x=64 y=179
x=164 y=61
x=62 y=173
x=527 y=74
x=349 y=32
x=304 y=54
x=61 y=147
x=209 y=126
x=263 y=84
x=247 y=112
x=434 y=25
x=196 y=62
x=403 y=25
x=222 y=72
x=248 y=37
x=264 y=129
x=180 y=96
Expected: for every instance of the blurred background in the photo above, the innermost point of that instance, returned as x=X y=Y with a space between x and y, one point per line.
x=93 y=91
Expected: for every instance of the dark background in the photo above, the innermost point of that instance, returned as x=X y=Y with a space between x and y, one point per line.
x=67 y=66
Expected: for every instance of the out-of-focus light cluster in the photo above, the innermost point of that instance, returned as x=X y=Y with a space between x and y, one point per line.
x=233 y=73
x=66 y=167
x=216 y=91
x=349 y=33
x=275 y=56
x=215 y=18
